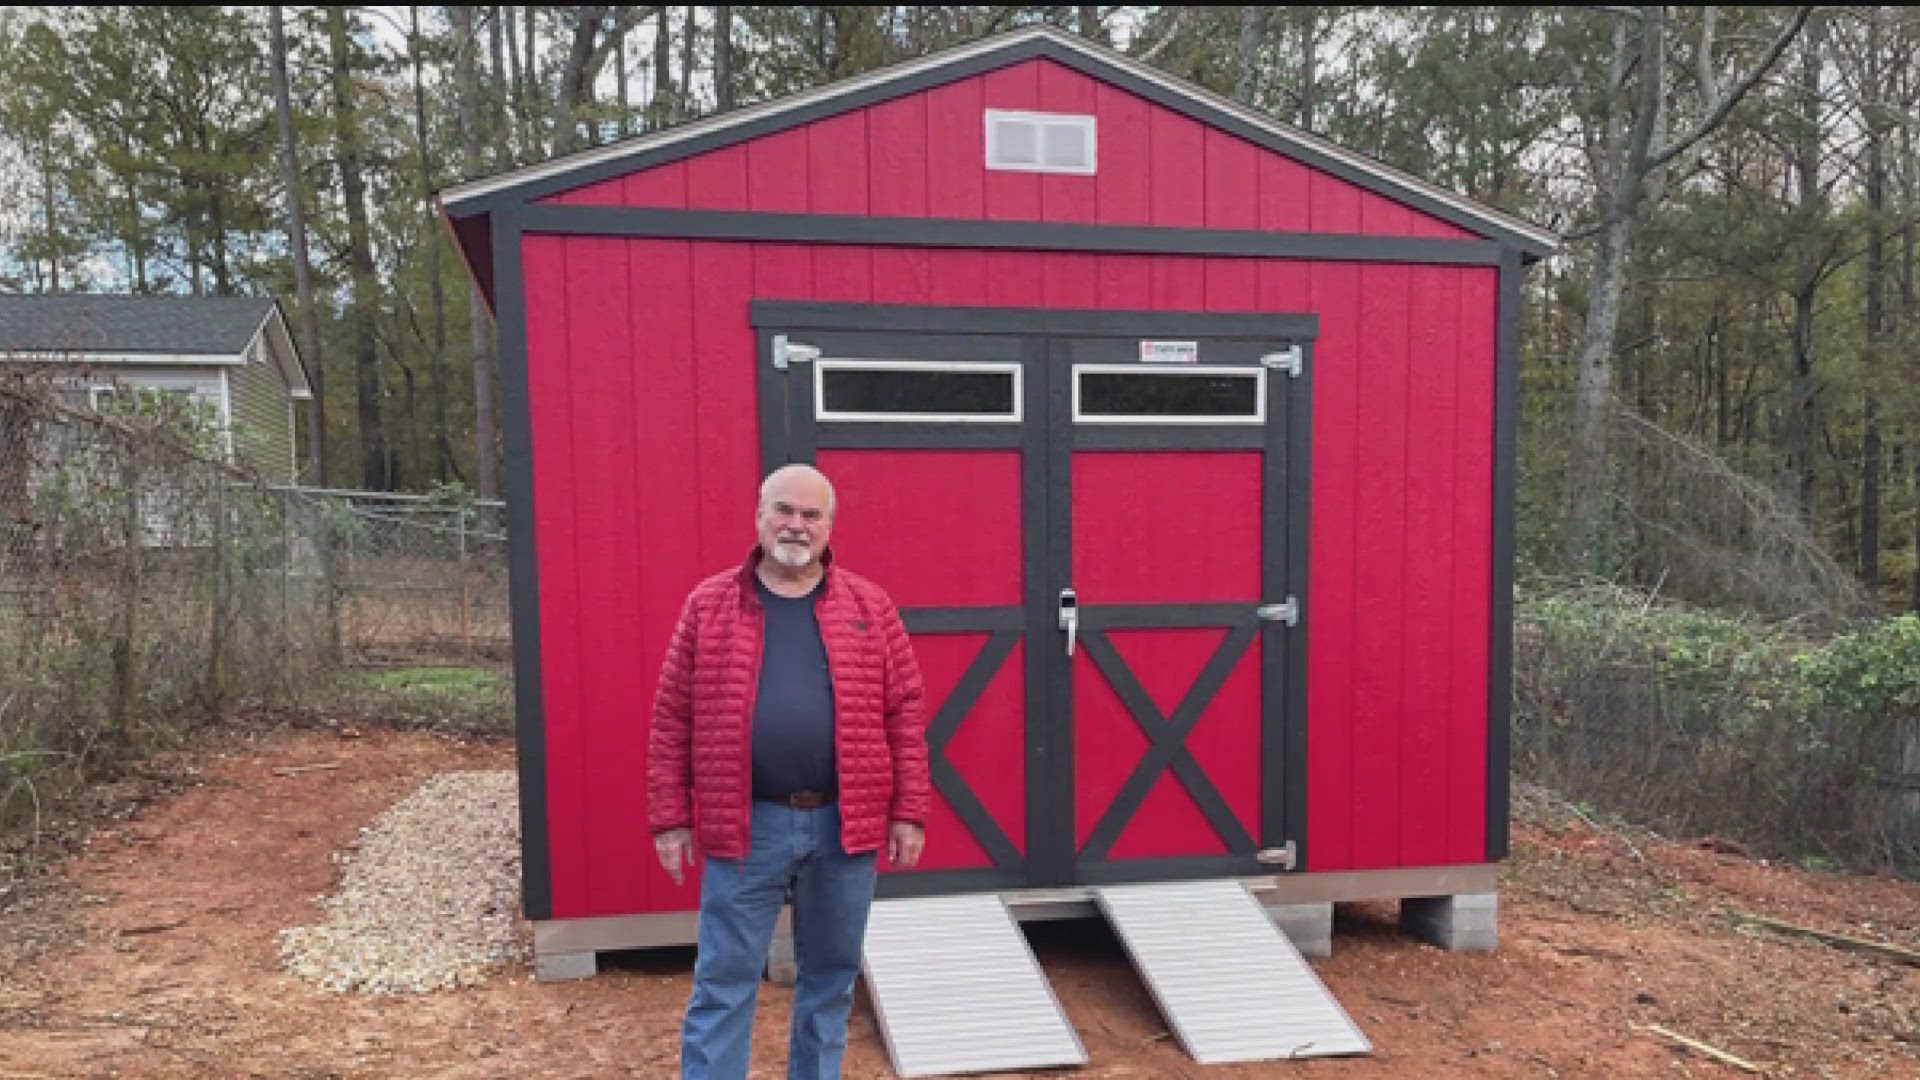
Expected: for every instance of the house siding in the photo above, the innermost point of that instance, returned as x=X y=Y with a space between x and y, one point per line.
x=262 y=423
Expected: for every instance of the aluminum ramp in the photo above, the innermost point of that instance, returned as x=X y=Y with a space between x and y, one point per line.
x=1230 y=984
x=956 y=990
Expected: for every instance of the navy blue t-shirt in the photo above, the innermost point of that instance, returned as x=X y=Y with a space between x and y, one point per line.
x=793 y=714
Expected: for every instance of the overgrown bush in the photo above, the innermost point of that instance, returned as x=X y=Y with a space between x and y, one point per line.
x=1697 y=721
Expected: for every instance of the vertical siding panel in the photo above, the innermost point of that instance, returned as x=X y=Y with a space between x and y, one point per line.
x=1232 y=284
x=959 y=277
x=782 y=272
x=777 y=172
x=1126 y=281
x=1177 y=166
x=1232 y=171
x=1070 y=280
x=1122 y=188
x=843 y=274
x=718 y=180
x=1380 y=570
x=667 y=488
x=1284 y=286
x=956 y=151
x=1381 y=216
x=664 y=187
x=1473 y=566
x=726 y=384
x=1432 y=427
x=1014 y=278
x=837 y=164
x=1423 y=225
x=897 y=157
x=837 y=184
x=1330 y=615
x=1333 y=205
x=549 y=401
x=1068 y=197
x=1179 y=283
x=1010 y=196
x=902 y=276
x=1285 y=204
x=604 y=193
x=600 y=353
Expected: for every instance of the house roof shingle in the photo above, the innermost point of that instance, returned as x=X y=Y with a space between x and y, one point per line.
x=130 y=324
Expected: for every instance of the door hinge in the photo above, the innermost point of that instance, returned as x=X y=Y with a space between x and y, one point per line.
x=1287 y=611
x=787 y=352
x=1292 y=360
x=1283 y=856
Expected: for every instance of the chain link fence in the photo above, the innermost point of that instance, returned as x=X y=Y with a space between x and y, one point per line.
x=146 y=587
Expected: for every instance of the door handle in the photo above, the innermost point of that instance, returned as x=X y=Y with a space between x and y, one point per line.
x=1070 y=616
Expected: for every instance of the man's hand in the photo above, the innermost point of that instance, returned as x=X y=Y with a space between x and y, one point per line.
x=904 y=842
x=675 y=848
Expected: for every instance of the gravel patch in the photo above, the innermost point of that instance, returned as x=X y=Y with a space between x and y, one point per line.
x=428 y=896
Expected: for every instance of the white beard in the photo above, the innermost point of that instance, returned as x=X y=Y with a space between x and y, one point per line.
x=792 y=556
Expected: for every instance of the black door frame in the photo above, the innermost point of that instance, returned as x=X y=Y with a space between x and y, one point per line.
x=1044 y=343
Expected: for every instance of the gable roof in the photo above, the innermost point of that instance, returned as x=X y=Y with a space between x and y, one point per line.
x=479 y=197
x=189 y=325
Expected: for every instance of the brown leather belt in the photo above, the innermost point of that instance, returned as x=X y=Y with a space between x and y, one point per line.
x=803 y=800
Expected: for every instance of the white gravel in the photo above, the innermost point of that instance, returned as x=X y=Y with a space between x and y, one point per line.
x=428 y=894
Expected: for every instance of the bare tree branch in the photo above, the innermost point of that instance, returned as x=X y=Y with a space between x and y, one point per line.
x=1719 y=110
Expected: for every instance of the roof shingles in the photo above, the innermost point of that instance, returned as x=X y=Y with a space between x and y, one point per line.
x=221 y=325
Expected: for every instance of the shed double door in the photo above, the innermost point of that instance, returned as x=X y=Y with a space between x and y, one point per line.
x=1094 y=527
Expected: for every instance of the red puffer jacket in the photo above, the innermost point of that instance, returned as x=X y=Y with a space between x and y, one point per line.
x=700 y=756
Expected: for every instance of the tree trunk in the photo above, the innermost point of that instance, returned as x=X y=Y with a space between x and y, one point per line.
x=436 y=292
x=1089 y=25
x=684 y=106
x=586 y=27
x=505 y=90
x=479 y=325
x=375 y=463
x=662 y=109
x=623 y=116
x=1875 y=285
x=1802 y=426
x=309 y=322
x=723 y=57
x=1247 y=82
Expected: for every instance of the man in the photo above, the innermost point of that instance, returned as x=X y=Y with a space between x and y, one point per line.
x=787 y=747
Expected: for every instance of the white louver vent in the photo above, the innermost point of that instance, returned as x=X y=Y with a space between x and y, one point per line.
x=1040 y=142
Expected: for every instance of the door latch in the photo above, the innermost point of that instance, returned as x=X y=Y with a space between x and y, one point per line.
x=1070 y=616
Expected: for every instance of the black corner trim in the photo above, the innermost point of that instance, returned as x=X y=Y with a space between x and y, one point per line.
x=523 y=562
x=917 y=232
x=1506 y=414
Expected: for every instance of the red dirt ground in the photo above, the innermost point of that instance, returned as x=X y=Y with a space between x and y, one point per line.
x=151 y=953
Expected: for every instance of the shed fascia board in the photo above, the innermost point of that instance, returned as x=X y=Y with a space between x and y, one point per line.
x=589 y=166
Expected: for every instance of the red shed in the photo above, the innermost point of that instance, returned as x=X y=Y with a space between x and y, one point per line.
x=1184 y=440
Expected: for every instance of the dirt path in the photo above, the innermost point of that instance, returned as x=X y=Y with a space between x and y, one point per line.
x=156 y=957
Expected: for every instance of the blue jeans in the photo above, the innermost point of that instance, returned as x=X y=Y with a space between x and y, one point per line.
x=740 y=900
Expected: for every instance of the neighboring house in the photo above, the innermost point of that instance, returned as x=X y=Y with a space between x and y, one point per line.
x=232 y=354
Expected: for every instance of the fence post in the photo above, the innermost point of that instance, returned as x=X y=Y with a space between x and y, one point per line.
x=466 y=590
x=126 y=651
x=216 y=692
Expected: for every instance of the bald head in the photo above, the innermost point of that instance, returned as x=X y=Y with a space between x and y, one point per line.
x=795 y=517
x=806 y=477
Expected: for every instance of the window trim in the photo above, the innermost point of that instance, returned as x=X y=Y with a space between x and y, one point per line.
x=1257 y=374
x=822 y=414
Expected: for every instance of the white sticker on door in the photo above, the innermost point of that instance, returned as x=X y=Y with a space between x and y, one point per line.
x=1169 y=352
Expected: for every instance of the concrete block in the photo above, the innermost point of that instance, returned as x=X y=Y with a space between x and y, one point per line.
x=1308 y=926
x=565 y=967
x=783 y=965
x=1464 y=923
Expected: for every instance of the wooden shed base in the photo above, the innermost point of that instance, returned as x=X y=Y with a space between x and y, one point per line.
x=1433 y=899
